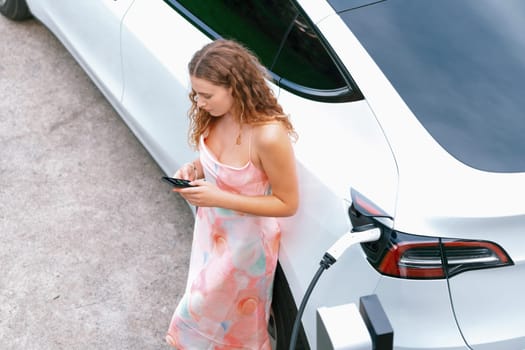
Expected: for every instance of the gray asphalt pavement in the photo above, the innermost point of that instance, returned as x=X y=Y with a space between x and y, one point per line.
x=93 y=247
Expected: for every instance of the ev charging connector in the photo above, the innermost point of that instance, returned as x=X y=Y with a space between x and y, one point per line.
x=360 y=234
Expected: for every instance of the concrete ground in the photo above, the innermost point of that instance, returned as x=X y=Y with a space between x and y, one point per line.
x=93 y=247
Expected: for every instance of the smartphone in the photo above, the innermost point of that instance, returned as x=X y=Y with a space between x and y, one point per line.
x=179 y=183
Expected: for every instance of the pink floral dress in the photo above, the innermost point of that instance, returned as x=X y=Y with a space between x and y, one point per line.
x=228 y=295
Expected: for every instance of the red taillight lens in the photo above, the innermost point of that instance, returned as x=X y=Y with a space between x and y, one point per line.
x=418 y=257
x=413 y=260
x=464 y=255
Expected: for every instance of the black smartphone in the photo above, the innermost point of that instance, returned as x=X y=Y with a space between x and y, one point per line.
x=179 y=183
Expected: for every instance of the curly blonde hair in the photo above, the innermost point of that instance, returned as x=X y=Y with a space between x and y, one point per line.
x=229 y=64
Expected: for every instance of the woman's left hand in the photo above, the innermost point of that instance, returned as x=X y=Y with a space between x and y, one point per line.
x=201 y=194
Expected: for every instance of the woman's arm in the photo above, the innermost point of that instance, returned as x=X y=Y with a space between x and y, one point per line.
x=275 y=154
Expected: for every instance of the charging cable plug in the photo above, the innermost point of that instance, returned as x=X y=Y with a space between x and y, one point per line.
x=364 y=234
x=360 y=234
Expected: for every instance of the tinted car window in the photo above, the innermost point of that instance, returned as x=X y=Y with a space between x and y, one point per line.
x=460 y=66
x=236 y=19
x=304 y=65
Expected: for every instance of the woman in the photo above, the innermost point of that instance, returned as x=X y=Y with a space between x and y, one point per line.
x=244 y=178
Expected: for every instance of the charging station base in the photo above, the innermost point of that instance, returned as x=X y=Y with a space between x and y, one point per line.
x=344 y=327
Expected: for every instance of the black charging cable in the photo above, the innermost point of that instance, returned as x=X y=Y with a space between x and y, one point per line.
x=325 y=264
x=365 y=233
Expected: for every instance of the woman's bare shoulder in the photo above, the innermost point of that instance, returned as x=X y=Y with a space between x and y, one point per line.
x=269 y=133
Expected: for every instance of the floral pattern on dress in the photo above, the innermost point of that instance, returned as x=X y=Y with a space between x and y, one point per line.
x=229 y=291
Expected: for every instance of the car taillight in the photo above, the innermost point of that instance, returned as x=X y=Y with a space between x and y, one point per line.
x=409 y=259
x=418 y=257
x=404 y=255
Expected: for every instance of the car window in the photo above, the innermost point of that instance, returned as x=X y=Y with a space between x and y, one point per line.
x=235 y=19
x=460 y=67
x=304 y=66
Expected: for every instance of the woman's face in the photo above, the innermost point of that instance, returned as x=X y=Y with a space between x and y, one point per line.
x=215 y=99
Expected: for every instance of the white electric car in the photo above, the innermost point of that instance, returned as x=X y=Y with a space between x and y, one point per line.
x=410 y=115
